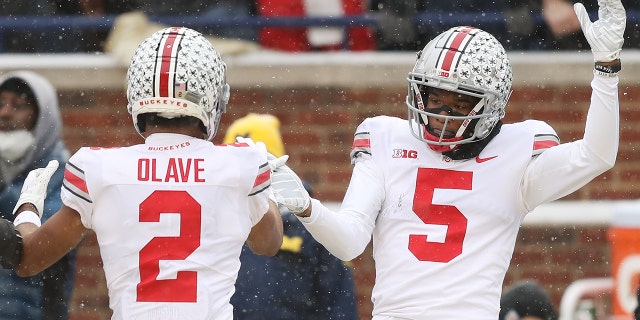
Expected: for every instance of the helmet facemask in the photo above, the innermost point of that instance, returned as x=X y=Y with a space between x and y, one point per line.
x=465 y=61
x=445 y=138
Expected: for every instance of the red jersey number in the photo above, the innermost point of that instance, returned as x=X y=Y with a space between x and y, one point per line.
x=427 y=181
x=185 y=286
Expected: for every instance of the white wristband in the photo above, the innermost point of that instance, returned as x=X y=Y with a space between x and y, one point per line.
x=27 y=217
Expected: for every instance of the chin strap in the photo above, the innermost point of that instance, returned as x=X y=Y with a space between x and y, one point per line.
x=472 y=150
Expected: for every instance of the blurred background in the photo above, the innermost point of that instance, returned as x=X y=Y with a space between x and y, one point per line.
x=322 y=67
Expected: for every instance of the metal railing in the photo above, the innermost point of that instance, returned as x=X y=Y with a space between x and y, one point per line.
x=23 y=23
x=485 y=20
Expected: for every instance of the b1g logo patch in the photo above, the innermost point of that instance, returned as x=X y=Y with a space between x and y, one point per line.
x=444 y=73
x=404 y=153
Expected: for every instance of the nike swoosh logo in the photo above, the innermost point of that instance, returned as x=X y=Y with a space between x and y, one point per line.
x=481 y=160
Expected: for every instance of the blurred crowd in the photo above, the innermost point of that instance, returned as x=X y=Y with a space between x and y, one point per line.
x=399 y=25
x=518 y=24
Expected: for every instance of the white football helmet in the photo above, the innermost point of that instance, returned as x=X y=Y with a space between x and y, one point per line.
x=468 y=61
x=176 y=72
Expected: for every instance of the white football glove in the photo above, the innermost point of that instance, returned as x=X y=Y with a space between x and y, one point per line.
x=34 y=189
x=606 y=35
x=274 y=162
x=289 y=190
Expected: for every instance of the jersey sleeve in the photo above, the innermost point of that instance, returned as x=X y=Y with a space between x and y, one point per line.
x=261 y=188
x=564 y=168
x=544 y=137
x=347 y=232
x=74 y=192
x=259 y=195
x=361 y=148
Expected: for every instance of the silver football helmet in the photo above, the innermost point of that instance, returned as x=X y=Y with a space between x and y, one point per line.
x=176 y=72
x=464 y=60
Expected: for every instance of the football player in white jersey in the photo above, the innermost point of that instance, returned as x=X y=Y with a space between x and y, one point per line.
x=443 y=193
x=170 y=215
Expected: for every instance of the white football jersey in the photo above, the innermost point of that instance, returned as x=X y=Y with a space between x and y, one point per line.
x=446 y=229
x=170 y=216
x=443 y=231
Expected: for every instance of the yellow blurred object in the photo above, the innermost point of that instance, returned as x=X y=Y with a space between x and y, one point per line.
x=260 y=128
x=293 y=244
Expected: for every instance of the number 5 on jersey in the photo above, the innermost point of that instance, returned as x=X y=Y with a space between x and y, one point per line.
x=427 y=181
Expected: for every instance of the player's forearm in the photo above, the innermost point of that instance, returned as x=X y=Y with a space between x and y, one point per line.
x=35 y=257
x=27 y=222
x=345 y=234
x=43 y=246
x=569 y=166
x=16 y=253
x=602 y=128
x=266 y=236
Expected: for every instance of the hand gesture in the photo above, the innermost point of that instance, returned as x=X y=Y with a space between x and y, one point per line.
x=605 y=35
x=34 y=189
x=289 y=190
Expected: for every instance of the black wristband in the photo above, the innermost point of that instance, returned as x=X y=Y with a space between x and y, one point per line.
x=11 y=245
x=608 y=69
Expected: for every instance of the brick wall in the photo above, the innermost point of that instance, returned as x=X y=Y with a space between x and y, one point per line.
x=318 y=125
x=318 y=122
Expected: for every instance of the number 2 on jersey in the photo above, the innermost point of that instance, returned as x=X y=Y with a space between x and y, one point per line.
x=185 y=286
x=427 y=181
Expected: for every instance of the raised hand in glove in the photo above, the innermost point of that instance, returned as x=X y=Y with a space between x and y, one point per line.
x=605 y=35
x=289 y=190
x=34 y=189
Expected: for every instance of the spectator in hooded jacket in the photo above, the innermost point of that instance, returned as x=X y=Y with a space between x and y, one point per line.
x=30 y=127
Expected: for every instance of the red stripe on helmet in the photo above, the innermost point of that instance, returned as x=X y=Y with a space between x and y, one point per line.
x=166 y=61
x=454 y=48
